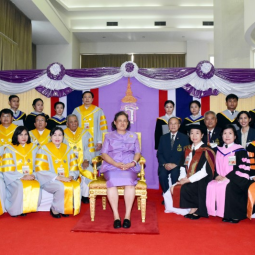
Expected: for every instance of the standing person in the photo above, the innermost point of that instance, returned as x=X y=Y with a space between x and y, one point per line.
x=245 y=134
x=23 y=190
x=227 y=195
x=163 y=121
x=7 y=129
x=40 y=135
x=38 y=109
x=81 y=141
x=57 y=171
x=170 y=150
x=121 y=152
x=229 y=116
x=92 y=118
x=212 y=137
x=18 y=116
x=197 y=169
x=194 y=118
x=58 y=119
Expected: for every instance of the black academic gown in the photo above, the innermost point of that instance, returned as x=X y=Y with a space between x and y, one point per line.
x=30 y=120
x=223 y=120
x=237 y=190
x=53 y=122
x=193 y=195
x=158 y=131
x=187 y=121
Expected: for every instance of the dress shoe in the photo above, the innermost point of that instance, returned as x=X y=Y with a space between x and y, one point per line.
x=163 y=202
x=23 y=214
x=126 y=223
x=225 y=220
x=64 y=215
x=234 y=221
x=117 y=224
x=187 y=216
x=194 y=217
x=85 y=200
x=57 y=216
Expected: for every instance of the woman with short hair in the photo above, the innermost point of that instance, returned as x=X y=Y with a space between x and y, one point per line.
x=121 y=153
x=57 y=171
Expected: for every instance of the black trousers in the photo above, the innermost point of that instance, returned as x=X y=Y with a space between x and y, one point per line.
x=163 y=177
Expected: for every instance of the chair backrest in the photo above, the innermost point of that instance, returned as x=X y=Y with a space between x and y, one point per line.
x=139 y=136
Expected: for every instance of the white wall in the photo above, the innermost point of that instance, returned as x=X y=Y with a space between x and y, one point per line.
x=196 y=52
x=132 y=47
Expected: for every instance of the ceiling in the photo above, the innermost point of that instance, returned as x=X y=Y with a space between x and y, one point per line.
x=87 y=19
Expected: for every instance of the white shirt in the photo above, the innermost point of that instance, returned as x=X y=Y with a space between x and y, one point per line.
x=231 y=112
x=244 y=137
x=169 y=116
x=174 y=135
x=40 y=132
x=229 y=145
x=199 y=174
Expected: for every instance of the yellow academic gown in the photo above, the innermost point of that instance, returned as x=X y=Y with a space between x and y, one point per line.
x=38 y=139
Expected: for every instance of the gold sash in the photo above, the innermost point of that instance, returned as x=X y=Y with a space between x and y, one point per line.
x=87 y=116
x=31 y=190
x=41 y=139
x=72 y=197
x=59 y=156
x=6 y=134
x=75 y=142
x=1 y=209
x=24 y=156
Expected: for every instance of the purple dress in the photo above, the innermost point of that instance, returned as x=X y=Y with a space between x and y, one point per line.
x=121 y=148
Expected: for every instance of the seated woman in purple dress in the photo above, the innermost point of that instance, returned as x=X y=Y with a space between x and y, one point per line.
x=121 y=152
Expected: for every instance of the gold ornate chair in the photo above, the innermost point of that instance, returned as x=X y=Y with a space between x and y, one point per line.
x=97 y=187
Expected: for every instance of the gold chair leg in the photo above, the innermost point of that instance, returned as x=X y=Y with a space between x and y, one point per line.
x=139 y=203
x=143 y=207
x=92 y=204
x=104 y=203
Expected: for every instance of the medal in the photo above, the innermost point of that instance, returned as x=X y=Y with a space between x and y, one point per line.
x=2 y=140
x=64 y=161
x=79 y=149
x=28 y=161
x=9 y=140
x=56 y=161
x=20 y=161
x=74 y=147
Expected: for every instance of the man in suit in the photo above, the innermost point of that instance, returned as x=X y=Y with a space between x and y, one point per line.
x=170 y=151
x=212 y=137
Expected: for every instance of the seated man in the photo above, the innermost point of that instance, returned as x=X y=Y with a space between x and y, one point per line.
x=169 y=154
x=229 y=116
x=81 y=142
x=18 y=116
x=212 y=137
x=40 y=135
x=7 y=129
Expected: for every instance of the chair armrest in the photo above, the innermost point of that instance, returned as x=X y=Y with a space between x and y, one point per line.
x=142 y=162
x=95 y=162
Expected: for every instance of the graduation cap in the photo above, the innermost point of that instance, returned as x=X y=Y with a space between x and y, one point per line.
x=196 y=126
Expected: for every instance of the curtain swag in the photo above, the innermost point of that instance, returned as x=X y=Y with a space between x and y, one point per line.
x=202 y=80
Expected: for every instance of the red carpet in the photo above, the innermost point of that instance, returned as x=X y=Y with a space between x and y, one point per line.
x=104 y=220
x=39 y=233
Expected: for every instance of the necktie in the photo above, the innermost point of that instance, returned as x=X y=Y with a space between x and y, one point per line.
x=232 y=112
x=193 y=152
x=226 y=146
x=172 y=141
x=208 y=137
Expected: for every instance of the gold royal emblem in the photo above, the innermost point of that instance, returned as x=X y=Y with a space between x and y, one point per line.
x=217 y=141
x=179 y=148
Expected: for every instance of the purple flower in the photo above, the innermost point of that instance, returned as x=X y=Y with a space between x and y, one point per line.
x=129 y=67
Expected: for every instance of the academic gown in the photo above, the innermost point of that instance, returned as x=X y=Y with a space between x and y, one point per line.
x=93 y=120
x=193 y=194
x=6 y=134
x=51 y=162
x=30 y=120
x=82 y=144
x=190 y=120
x=2 y=184
x=225 y=117
x=22 y=196
x=228 y=198
x=55 y=121
x=38 y=139
x=19 y=118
